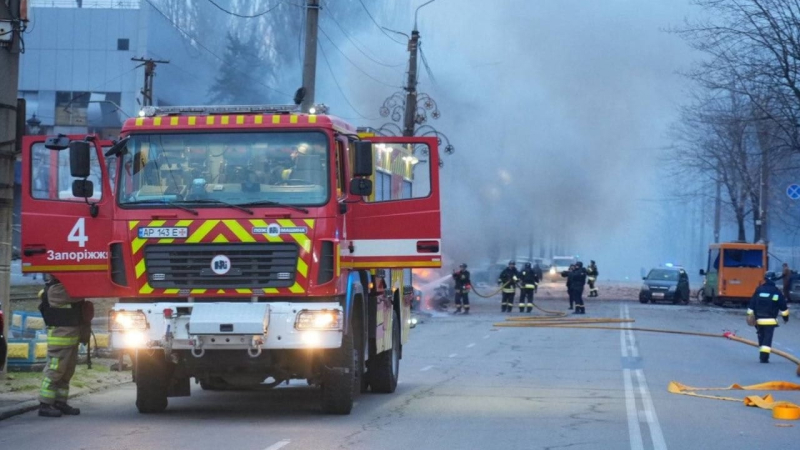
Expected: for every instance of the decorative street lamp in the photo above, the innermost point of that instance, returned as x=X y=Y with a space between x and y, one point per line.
x=34 y=125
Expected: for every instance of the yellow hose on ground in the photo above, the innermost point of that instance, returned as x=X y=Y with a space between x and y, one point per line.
x=781 y=410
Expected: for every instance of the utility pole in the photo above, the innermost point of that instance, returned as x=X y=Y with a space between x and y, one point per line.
x=149 y=74
x=763 y=200
x=310 y=56
x=411 y=86
x=717 y=211
x=10 y=19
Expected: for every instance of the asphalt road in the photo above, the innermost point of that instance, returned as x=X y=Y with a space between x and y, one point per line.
x=468 y=385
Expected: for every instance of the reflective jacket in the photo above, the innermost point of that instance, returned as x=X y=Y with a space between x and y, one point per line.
x=592 y=271
x=462 y=281
x=528 y=278
x=61 y=336
x=767 y=302
x=508 y=279
x=576 y=279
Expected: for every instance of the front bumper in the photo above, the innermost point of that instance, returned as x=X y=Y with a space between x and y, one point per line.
x=241 y=326
x=657 y=296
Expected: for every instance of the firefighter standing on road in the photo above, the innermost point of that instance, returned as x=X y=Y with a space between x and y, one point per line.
x=786 y=276
x=565 y=274
x=508 y=280
x=528 y=280
x=538 y=271
x=576 y=279
x=592 y=273
x=765 y=305
x=64 y=317
x=463 y=285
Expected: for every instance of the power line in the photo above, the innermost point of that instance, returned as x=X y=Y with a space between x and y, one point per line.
x=200 y=44
x=427 y=67
x=242 y=15
x=377 y=24
x=353 y=63
x=353 y=41
x=338 y=86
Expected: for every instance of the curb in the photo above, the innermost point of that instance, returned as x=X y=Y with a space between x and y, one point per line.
x=30 y=405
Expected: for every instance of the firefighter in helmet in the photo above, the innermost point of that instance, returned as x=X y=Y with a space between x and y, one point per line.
x=592 y=273
x=463 y=285
x=576 y=279
x=528 y=283
x=508 y=282
x=765 y=305
x=66 y=320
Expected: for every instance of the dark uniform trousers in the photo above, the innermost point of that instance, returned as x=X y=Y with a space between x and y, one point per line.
x=526 y=298
x=462 y=300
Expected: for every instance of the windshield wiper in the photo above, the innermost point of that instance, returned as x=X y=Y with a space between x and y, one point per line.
x=272 y=203
x=220 y=202
x=162 y=202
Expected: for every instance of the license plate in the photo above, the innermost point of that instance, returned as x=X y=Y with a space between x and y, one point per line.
x=658 y=295
x=163 y=232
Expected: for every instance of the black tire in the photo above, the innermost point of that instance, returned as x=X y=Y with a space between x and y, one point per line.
x=152 y=381
x=385 y=369
x=339 y=380
x=643 y=301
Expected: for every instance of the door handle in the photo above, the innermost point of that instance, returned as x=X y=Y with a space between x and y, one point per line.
x=30 y=251
x=427 y=247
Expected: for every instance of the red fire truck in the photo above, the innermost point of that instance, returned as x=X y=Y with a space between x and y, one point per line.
x=248 y=246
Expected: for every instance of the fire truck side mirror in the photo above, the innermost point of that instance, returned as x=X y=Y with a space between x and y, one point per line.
x=361 y=187
x=362 y=166
x=82 y=189
x=79 y=159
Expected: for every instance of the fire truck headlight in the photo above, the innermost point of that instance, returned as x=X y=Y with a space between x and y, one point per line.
x=319 y=320
x=127 y=320
x=552 y=271
x=311 y=338
x=134 y=339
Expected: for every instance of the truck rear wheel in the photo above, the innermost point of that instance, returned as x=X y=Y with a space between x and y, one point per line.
x=339 y=380
x=385 y=369
x=152 y=381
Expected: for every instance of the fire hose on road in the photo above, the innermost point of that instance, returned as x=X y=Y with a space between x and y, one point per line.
x=781 y=410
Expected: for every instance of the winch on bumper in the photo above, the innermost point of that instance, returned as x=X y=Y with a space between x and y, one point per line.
x=250 y=327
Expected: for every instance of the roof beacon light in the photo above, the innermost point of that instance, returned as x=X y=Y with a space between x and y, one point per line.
x=151 y=111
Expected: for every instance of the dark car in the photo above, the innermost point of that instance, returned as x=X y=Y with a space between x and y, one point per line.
x=667 y=284
x=794 y=288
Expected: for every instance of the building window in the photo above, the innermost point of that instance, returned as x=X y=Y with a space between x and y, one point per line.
x=123 y=44
x=72 y=108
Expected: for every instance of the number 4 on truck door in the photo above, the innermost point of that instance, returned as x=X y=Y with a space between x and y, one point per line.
x=62 y=232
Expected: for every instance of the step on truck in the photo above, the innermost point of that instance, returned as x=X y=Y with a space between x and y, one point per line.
x=248 y=246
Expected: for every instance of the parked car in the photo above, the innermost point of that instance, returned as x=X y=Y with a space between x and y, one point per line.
x=794 y=288
x=665 y=284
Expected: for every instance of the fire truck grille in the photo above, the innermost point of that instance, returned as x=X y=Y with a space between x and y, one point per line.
x=221 y=266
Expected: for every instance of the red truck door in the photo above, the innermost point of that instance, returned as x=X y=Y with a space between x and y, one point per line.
x=59 y=234
x=399 y=225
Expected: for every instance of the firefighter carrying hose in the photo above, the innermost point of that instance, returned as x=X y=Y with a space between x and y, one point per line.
x=463 y=285
x=528 y=281
x=592 y=273
x=762 y=311
x=68 y=323
x=508 y=280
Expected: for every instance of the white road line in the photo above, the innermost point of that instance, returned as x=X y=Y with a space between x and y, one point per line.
x=471 y=345
x=426 y=368
x=487 y=336
x=634 y=432
x=279 y=444
x=453 y=355
x=650 y=411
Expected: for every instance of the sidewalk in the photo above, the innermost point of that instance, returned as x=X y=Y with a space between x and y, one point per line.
x=19 y=391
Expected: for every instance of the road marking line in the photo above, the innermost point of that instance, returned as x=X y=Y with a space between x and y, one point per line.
x=453 y=355
x=279 y=444
x=471 y=345
x=650 y=411
x=487 y=336
x=426 y=368
x=634 y=432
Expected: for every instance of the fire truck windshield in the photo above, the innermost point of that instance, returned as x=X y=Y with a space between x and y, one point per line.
x=208 y=169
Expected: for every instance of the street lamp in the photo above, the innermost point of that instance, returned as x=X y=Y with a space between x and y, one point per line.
x=417 y=12
x=34 y=125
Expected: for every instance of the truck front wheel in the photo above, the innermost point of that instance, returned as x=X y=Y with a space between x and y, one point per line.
x=339 y=379
x=152 y=381
x=384 y=370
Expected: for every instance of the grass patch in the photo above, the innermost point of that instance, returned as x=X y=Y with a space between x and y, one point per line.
x=25 y=387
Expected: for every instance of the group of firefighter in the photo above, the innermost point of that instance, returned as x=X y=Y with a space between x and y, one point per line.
x=527 y=280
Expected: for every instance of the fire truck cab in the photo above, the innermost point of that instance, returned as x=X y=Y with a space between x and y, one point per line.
x=247 y=246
